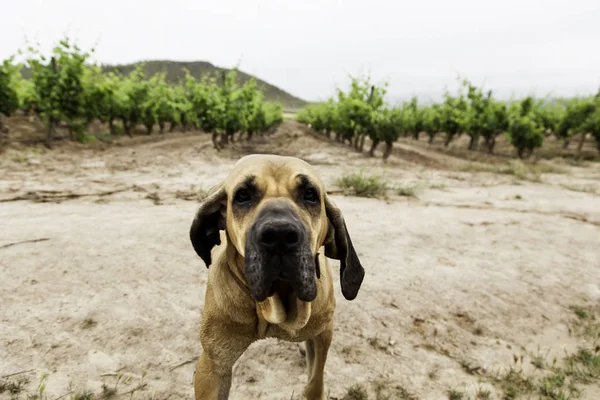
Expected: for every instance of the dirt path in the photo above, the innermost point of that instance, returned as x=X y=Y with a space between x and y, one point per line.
x=479 y=268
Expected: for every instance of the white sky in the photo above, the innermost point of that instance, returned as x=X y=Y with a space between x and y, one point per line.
x=308 y=46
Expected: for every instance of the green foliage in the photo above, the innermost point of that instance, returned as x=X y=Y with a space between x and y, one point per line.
x=100 y=97
x=67 y=88
x=388 y=124
x=354 y=115
x=58 y=85
x=574 y=118
x=361 y=111
x=549 y=115
x=26 y=95
x=484 y=116
x=176 y=73
x=253 y=113
x=273 y=115
x=70 y=92
x=453 y=116
x=357 y=109
x=321 y=116
x=525 y=132
x=135 y=104
x=232 y=104
x=226 y=108
x=591 y=122
x=431 y=120
x=9 y=74
x=204 y=101
x=413 y=118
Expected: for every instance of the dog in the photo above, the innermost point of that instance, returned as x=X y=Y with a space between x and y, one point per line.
x=265 y=234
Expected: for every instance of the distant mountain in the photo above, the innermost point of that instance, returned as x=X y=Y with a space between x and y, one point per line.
x=174 y=71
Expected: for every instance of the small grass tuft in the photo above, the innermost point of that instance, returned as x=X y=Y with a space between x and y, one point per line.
x=406 y=190
x=581 y=189
x=363 y=185
x=538 y=362
x=584 y=365
x=405 y=394
x=356 y=392
x=386 y=390
x=88 y=323
x=24 y=156
x=556 y=387
x=592 y=330
x=381 y=390
x=41 y=389
x=20 y=157
x=518 y=169
x=86 y=138
x=12 y=386
x=434 y=373
x=514 y=384
x=438 y=186
x=547 y=168
x=377 y=343
x=85 y=395
x=581 y=312
x=575 y=161
x=454 y=394
x=483 y=394
x=108 y=392
x=555 y=381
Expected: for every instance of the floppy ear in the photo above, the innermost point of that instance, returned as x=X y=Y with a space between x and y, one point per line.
x=338 y=245
x=209 y=220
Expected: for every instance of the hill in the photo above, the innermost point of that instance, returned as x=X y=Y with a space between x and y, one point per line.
x=174 y=71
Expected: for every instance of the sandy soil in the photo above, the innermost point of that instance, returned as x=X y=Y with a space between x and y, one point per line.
x=478 y=268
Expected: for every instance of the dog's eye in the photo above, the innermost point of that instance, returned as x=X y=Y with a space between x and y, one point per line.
x=311 y=195
x=242 y=196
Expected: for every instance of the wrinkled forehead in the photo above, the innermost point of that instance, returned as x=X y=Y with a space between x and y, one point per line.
x=269 y=171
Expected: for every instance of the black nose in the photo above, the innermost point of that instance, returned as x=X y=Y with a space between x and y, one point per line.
x=280 y=236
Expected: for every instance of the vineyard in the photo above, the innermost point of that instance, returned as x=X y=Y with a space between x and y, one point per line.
x=361 y=113
x=65 y=89
x=481 y=270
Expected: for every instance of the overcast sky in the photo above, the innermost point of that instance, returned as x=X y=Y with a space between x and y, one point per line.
x=307 y=47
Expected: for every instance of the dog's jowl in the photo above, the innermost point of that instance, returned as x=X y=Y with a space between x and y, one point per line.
x=265 y=234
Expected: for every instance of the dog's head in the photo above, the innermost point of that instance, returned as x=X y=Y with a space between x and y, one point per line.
x=277 y=215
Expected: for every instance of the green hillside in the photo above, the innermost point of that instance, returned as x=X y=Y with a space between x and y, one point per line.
x=174 y=71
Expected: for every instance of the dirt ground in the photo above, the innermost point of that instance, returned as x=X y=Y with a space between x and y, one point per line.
x=480 y=267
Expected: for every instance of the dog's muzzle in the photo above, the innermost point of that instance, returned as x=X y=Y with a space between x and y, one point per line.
x=278 y=254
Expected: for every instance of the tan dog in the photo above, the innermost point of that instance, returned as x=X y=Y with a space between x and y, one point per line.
x=267 y=276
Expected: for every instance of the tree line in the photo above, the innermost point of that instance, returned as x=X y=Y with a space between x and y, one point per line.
x=67 y=89
x=361 y=111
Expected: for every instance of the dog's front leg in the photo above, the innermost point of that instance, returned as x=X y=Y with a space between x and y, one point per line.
x=221 y=349
x=211 y=382
x=316 y=355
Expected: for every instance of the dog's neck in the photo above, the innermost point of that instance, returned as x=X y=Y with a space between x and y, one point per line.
x=235 y=264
